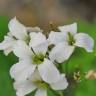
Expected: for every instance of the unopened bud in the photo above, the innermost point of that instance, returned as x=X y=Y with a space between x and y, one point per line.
x=91 y=75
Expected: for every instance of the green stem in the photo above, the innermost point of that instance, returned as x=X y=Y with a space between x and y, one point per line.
x=59 y=66
x=61 y=69
x=60 y=93
x=57 y=93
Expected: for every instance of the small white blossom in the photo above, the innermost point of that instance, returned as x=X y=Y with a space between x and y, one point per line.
x=32 y=58
x=17 y=31
x=35 y=82
x=7 y=44
x=66 y=41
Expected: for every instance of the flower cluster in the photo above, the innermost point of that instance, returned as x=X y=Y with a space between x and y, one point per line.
x=36 y=67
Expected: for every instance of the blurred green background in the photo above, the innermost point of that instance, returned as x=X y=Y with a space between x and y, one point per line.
x=40 y=13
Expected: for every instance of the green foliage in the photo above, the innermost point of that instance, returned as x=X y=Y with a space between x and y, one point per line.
x=6 y=87
x=80 y=58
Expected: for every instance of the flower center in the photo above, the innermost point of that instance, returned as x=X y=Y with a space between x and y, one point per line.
x=71 y=39
x=41 y=84
x=37 y=58
x=27 y=39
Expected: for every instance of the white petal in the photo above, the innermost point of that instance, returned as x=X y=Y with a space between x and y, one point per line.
x=34 y=29
x=19 y=94
x=35 y=76
x=38 y=42
x=85 y=41
x=61 y=84
x=56 y=37
x=7 y=44
x=72 y=28
x=41 y=48
x=21 y=50
x=61 y=52
x=8 y=50
x=36 y=39
x=41 y=92
x=48 y=71
x=22 y=70
x=10 y=34
x=23 y=88
x=17 y=29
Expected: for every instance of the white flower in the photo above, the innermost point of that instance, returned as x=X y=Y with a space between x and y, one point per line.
x=35 y=82
x=20 y=31
x=17 y=32
x=66 y=41
x=7 y=44
x=32 y=58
